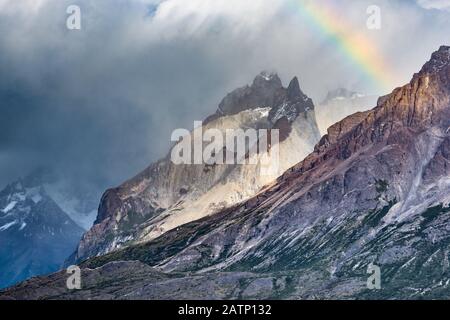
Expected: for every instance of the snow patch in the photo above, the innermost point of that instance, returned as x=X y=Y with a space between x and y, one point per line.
x=263 y=112
x=267 y=76
x=10 y=206
x=286 y=110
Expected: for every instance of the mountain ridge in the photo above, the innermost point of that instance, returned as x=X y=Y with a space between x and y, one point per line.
x=35 y=233
x=150 y=204
x=375 y=190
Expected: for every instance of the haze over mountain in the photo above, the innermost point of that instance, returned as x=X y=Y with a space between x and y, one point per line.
x=36 y=235
x=165 y=195
x=374 y=190
x=339 y=104
x=100 y=103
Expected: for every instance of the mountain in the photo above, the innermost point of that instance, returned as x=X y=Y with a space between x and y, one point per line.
x=79 y=200
x=339 y=104
x=375 y=190
x=167 y=195
x=36 y=235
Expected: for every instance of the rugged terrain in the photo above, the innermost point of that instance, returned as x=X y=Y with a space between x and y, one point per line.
x=36 y=235
x=376 y=189
x=167 y=195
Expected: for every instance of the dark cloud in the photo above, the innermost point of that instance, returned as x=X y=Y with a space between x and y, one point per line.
x=88 y=103
x=99 y=104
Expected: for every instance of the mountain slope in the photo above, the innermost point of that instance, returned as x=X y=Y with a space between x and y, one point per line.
x=376 y=189
x=78 y=200
x=167 y=195
x=35 y=234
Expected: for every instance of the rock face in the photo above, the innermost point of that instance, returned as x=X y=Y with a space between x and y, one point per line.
x=375 y=190
x=165 y=195
x=36 y=235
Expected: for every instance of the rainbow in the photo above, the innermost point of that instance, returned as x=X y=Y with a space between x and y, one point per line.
x=356 y=47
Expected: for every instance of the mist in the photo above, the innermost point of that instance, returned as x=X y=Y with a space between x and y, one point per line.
x=99 y=104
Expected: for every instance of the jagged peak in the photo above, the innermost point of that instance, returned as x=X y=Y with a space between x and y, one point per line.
x=263 y=92
x=417 y=93
x=293 y=90
x=266 y=91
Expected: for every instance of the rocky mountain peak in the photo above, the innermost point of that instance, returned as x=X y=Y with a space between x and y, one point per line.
x=264 y=92
x=294 y=90
x=422 y=101
x=292 y=104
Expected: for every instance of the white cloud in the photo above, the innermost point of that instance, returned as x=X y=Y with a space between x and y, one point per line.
x=129 y=77
x=14 y=6
x=435 y=4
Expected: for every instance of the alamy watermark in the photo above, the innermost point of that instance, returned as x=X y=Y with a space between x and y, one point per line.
x=374 y=280
x=230 y=146
x=73 y=21
x=374 y=20
x=74 y=280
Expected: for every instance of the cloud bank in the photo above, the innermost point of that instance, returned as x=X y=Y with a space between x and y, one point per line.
x=100 y=103
x=435 y=4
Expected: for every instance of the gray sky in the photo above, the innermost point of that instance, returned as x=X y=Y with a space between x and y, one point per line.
x=100 y=103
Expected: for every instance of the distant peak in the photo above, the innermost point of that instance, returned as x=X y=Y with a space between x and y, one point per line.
x=342 y=93
x=267 y=91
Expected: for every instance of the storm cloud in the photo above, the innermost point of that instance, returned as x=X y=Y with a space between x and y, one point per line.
x=100 y=103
